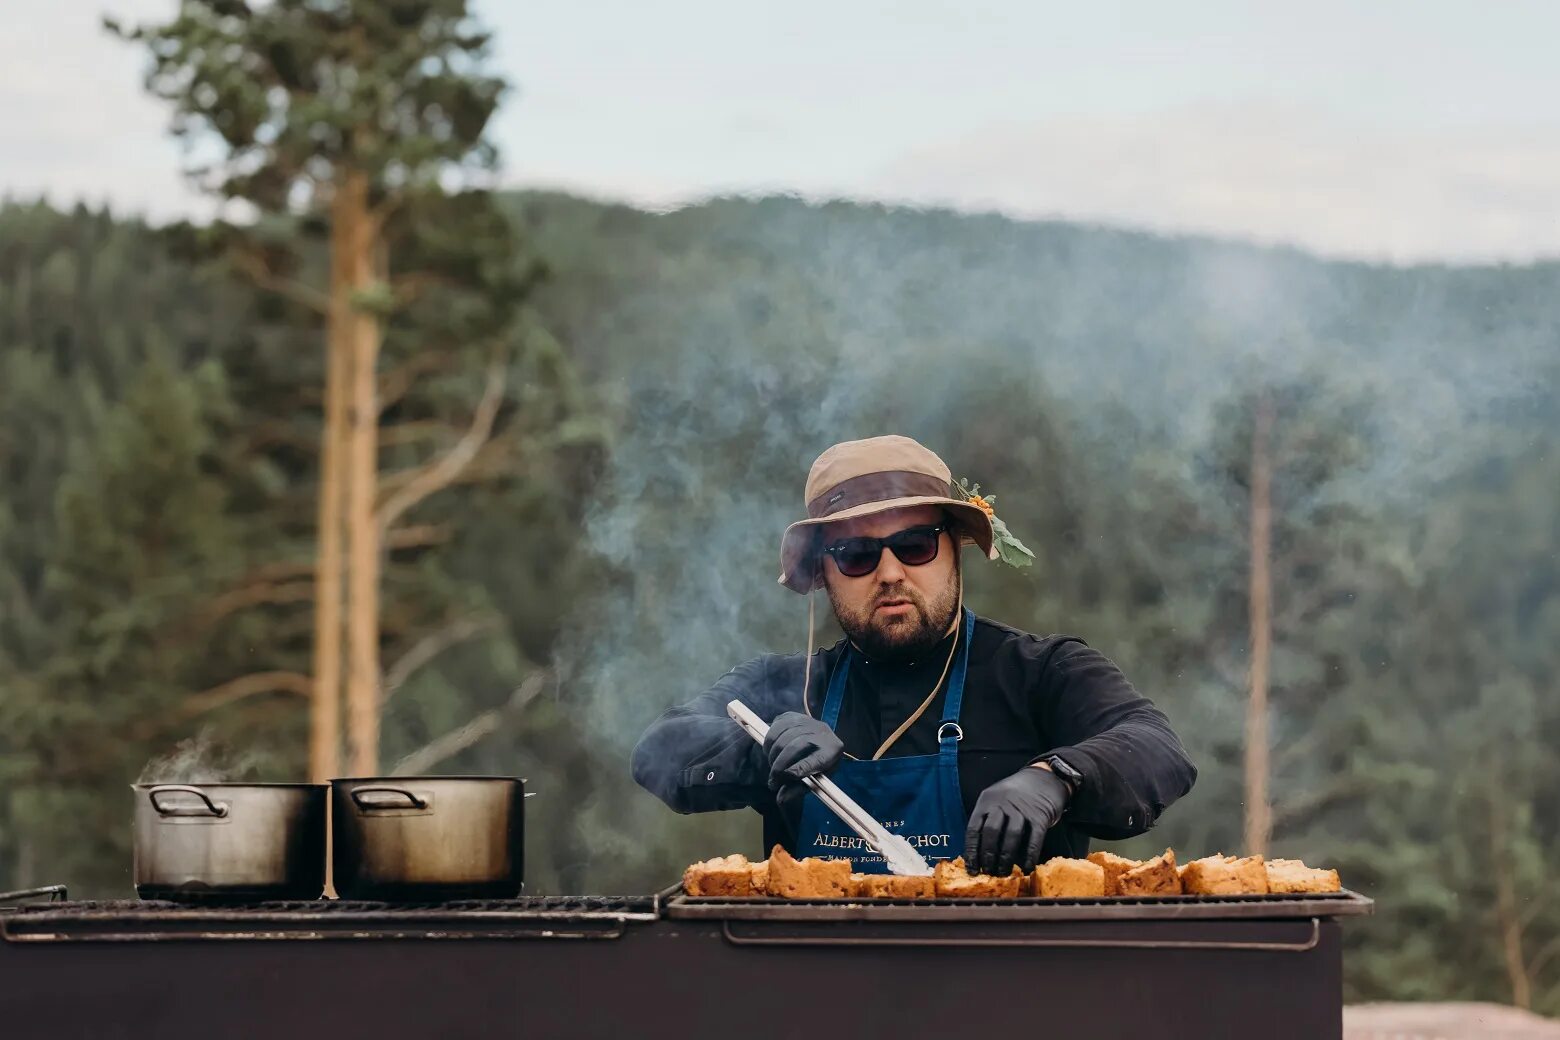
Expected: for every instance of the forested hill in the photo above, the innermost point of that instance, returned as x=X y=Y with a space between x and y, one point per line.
x=682 y=370
x=1161 y=325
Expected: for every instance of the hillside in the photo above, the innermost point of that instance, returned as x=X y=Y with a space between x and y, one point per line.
x=1101 y=383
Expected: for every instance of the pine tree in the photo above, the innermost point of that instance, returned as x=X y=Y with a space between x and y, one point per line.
x=355 y=113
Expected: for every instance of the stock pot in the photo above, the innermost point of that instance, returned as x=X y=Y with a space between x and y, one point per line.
x=428 y=838
x=229 y=842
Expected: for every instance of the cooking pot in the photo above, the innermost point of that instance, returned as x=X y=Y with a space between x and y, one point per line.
x=233 y=842
x=428 y=838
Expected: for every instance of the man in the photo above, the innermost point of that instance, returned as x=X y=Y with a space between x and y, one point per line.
x=965 y=735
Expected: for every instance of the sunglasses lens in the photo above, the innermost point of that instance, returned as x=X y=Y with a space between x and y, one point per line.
x=856 y=558
x=915 y=547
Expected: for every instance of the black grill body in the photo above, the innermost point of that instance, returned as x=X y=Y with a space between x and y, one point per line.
x=667 y=966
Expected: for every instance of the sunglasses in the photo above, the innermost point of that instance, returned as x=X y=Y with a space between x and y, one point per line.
x=914 y=546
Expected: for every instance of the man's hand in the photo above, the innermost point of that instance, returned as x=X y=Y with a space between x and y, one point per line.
x=1010 y=820
x=799 y=745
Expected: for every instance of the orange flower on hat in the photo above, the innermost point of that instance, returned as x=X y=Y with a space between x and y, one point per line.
x=1004 y=545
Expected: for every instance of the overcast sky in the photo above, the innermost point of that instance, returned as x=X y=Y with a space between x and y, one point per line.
x=1423 y=130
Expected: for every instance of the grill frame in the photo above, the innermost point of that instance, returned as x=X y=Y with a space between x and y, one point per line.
x=534 y=917
x=677 y=905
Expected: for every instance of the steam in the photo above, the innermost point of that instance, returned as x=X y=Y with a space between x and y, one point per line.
x=201 y=760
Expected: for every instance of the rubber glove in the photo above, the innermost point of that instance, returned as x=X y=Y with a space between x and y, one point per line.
x=799 y=745
x=1010 y=820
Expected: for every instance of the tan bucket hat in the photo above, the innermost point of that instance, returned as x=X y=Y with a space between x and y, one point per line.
x=859 y=478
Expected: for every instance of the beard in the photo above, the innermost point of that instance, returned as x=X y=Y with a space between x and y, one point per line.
x=899 y=637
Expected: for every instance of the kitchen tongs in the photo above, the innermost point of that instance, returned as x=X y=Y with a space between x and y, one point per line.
x=898 y=853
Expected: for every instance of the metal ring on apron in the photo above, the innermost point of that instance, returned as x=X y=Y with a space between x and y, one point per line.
x=958 y=733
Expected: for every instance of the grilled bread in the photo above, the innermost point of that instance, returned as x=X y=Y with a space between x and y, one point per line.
x=1114 y=866
x=810 y=878
x=1220 y=875
x=1290 y=876
x=1069 y=879
x=1157 y=877
x=1102 y=874
x=893 y=886
x=723 y=876
x=953 y=880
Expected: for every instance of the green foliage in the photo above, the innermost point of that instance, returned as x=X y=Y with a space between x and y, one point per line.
x=297 y=89
x=159 y=449
x=156 y=538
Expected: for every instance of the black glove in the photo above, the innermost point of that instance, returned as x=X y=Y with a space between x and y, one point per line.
x=799 y=745
x=1010 y=820
x=789 y=801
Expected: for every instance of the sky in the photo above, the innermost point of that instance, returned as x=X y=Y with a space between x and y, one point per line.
x=1397 y=131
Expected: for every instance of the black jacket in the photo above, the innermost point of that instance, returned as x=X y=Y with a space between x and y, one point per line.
x=1026 y=697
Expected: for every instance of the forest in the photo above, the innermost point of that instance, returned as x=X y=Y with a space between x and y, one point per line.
x=583 y=426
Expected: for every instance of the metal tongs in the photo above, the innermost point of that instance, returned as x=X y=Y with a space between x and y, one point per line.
x=898 y=853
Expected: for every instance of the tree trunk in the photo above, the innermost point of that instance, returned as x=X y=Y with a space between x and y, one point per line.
x=1507 y=917
x=1259 y=807
x=363 y=542
x=325 y=711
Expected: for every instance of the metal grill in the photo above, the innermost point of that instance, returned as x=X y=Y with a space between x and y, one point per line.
x=550 y=917
x=1114 y=908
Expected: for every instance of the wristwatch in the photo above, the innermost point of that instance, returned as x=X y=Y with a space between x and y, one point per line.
x=1069 y=775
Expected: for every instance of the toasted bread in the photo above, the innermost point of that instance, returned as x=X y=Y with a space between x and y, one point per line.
x=759 y=874
x=1069 y=879
x=1114 y=866
x=953 y=881
x=1156 y=877
x=893 y=886
x=1225 y=876
x=1290 y=876
x=722 y=876
x=810 y=878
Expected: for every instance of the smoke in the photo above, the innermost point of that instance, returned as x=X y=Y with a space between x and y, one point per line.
x=202 y=760
x=1035 y=358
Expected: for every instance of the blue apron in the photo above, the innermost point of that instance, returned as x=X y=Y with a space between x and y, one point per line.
x=916 y=796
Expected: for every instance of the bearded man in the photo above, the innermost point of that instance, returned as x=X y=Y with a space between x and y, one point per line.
x=965 y=735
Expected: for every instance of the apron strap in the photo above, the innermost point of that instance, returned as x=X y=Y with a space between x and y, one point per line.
x=836 y=695
x=948 y=732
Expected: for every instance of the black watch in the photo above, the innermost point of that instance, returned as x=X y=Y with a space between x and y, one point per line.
x=1070 y=776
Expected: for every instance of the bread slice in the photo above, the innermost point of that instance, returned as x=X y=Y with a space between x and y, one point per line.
x=1221 y=875
x=1114 y=866
x=809 y=878
x=893 y=886
x=759 y=875
x=722 y=876
x=1069 y=879
x=953 y=881
x=1156 y=877
x=1290 y=876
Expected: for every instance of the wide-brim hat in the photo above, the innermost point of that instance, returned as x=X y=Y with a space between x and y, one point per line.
x=859 y=478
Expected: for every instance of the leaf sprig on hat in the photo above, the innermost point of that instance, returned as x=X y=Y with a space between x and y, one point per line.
x=1010 y=550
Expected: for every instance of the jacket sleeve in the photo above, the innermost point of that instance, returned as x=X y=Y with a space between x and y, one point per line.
x=1132 y=763
x=696 y=759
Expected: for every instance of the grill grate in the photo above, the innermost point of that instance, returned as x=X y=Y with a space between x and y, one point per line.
x=1114 y=908
x=529 y=904
x=143 y=920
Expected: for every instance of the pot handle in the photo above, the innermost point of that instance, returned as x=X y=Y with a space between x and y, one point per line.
x=415 y=802
x=213 y=808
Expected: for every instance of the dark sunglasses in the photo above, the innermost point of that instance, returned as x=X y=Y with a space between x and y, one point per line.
x=914 y=546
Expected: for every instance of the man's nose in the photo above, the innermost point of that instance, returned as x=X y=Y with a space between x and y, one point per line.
x=889 y=569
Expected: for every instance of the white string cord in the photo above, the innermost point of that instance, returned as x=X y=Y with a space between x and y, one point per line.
x=958 y=629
